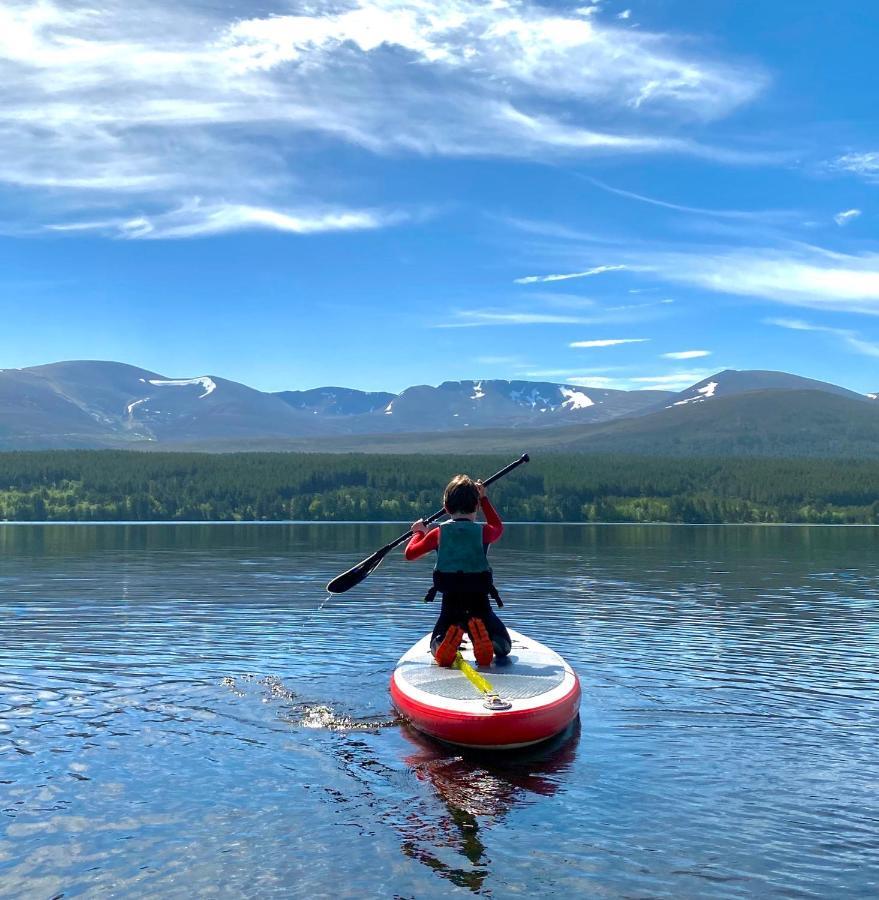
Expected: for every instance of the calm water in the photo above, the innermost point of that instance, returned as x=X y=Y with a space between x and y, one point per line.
x=179 y=719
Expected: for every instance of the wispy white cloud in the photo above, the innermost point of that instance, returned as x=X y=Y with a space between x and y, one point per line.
x=530 y=47
x=604 y=382
x=677 y=380
x=608 y=342
x=554 y=310
x=795 y=325
x=561 y=300
x=766 y=215
x=686 y=354
x=625 y=14
x=96 y=99
x=540 y=279
x=843 y=218
x=811 y=277
x=851 y=339
x=554 y=230
x=673 y=381
x=780 y=271
x=477 y=318
x=864 y=164
x=631 y=306
x=859 y=345
x=796 y=275
x=196 y=219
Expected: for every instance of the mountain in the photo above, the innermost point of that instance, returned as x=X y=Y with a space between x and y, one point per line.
x=108 y=404
x=510 y=404
x=337 y=401
x=731 y=382
x=758 y=423
x=87 y=403
x=33 y=413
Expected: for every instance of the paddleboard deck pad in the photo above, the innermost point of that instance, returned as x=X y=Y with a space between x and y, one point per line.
x=528 y=697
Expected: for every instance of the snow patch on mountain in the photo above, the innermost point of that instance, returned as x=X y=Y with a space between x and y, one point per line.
x=389 y=409
x=575 y=399
x=708 y=390
x=702 y=393
x=478 y=393
x=873 y=396
x=208 y=384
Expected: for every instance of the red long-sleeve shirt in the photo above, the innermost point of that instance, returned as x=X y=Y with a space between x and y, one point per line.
x=424 y=543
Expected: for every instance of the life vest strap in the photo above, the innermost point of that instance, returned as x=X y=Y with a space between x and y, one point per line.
x=463 y=583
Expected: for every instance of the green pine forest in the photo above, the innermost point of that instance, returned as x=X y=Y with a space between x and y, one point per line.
x=110 y=485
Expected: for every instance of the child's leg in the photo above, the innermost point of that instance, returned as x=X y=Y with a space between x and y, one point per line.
x=442 y=626
x=448 y=625
x=498 y=633
x=486 y=631
x=483 y=650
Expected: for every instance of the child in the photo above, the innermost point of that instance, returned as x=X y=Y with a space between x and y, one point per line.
x=462 y=574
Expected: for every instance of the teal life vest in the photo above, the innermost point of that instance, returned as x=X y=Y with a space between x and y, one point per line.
x=461 y=562
x=460 y=547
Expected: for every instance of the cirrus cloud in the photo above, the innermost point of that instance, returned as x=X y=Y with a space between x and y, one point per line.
x=607 y=342
x=195 y=219
x=812 y=277
x=865 y=164
x=98 y=108
x=542 y=279
x=686 y=354
x=846 y=216
x=850 y=338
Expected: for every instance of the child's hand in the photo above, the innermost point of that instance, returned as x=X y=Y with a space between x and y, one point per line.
x=481 y=488
x=419 y=527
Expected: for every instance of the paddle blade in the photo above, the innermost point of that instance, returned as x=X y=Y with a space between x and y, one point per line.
x=358 y=573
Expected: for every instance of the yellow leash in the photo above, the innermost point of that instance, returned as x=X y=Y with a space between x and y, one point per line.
x=492 y=699
x=480 y=683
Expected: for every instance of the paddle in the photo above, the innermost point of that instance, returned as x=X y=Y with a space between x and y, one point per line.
x=362 y=570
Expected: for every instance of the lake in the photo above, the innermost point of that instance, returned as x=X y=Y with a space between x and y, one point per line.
x=180 y=718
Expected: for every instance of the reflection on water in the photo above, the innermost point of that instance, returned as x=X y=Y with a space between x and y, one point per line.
x=179 y=716
x=478 y=786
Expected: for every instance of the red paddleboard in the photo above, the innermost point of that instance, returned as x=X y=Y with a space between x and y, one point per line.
x=529 y=697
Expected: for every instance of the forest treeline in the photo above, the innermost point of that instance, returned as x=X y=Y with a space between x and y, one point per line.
x=110 y=485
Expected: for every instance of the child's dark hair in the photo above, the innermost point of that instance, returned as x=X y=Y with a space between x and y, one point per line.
x=461 y=495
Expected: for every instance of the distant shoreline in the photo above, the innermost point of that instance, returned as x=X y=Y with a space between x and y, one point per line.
x=117 y=486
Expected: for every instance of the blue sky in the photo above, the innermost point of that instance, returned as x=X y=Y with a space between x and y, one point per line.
x=378 y=193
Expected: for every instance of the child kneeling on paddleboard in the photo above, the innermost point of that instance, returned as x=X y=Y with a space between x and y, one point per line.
x=462 y=574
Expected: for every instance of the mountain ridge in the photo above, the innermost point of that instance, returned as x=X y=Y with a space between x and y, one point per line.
x=105 y=404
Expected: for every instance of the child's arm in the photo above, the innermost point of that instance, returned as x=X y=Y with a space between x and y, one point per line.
x=423 y=541
x=493 y=527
